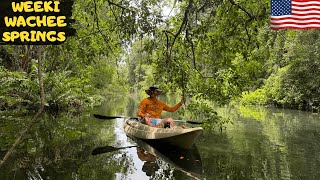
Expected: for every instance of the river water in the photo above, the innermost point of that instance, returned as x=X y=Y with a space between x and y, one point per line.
x=261 y=143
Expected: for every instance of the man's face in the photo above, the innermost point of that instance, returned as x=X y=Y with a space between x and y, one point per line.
x=156 y=93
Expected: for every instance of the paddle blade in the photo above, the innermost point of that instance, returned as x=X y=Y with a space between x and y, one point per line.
x=105 y=117
x=194 y=122
x=106 y=149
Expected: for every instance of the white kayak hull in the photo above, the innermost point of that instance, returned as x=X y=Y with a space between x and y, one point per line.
x=180 y=137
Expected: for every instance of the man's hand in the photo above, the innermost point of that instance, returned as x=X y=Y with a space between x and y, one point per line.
x=183 y=100
x=146 y=115
x=147 y=120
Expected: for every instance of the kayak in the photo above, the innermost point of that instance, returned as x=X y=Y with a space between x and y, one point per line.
x=176 y=136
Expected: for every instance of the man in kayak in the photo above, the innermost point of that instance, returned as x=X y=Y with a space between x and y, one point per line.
x=150 y=109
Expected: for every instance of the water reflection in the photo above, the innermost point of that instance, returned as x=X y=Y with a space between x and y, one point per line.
x=262 y=143
x=183 y=162
x=162 y=161
x=150 y=165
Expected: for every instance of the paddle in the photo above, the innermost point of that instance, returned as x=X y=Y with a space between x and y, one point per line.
x=114 y=117
x=106 y=149
x=106 y=117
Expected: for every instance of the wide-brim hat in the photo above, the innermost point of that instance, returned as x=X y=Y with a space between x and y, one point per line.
x=153 y=88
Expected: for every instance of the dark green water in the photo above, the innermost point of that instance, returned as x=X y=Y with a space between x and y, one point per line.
x=261 y=144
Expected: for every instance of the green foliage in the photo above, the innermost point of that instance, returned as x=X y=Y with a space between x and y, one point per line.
x=215 y=50
x=205 y=112
x=292 y=61
x=16 y=90
x=257 y=97
x=64 y=90
x=274 y=86
x=202 y=61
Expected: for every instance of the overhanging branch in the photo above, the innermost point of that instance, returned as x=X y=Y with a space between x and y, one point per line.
x=243 y=9
x=194 y=57
x=119 y=6
x=96 y=18
x=182 y=26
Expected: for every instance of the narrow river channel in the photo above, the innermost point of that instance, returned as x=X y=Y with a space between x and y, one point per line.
x=261 y=143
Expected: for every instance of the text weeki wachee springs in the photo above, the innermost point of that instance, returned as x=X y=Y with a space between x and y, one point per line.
x=36 y=22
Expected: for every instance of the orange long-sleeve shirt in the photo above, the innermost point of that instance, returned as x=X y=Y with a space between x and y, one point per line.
x=154 y=107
